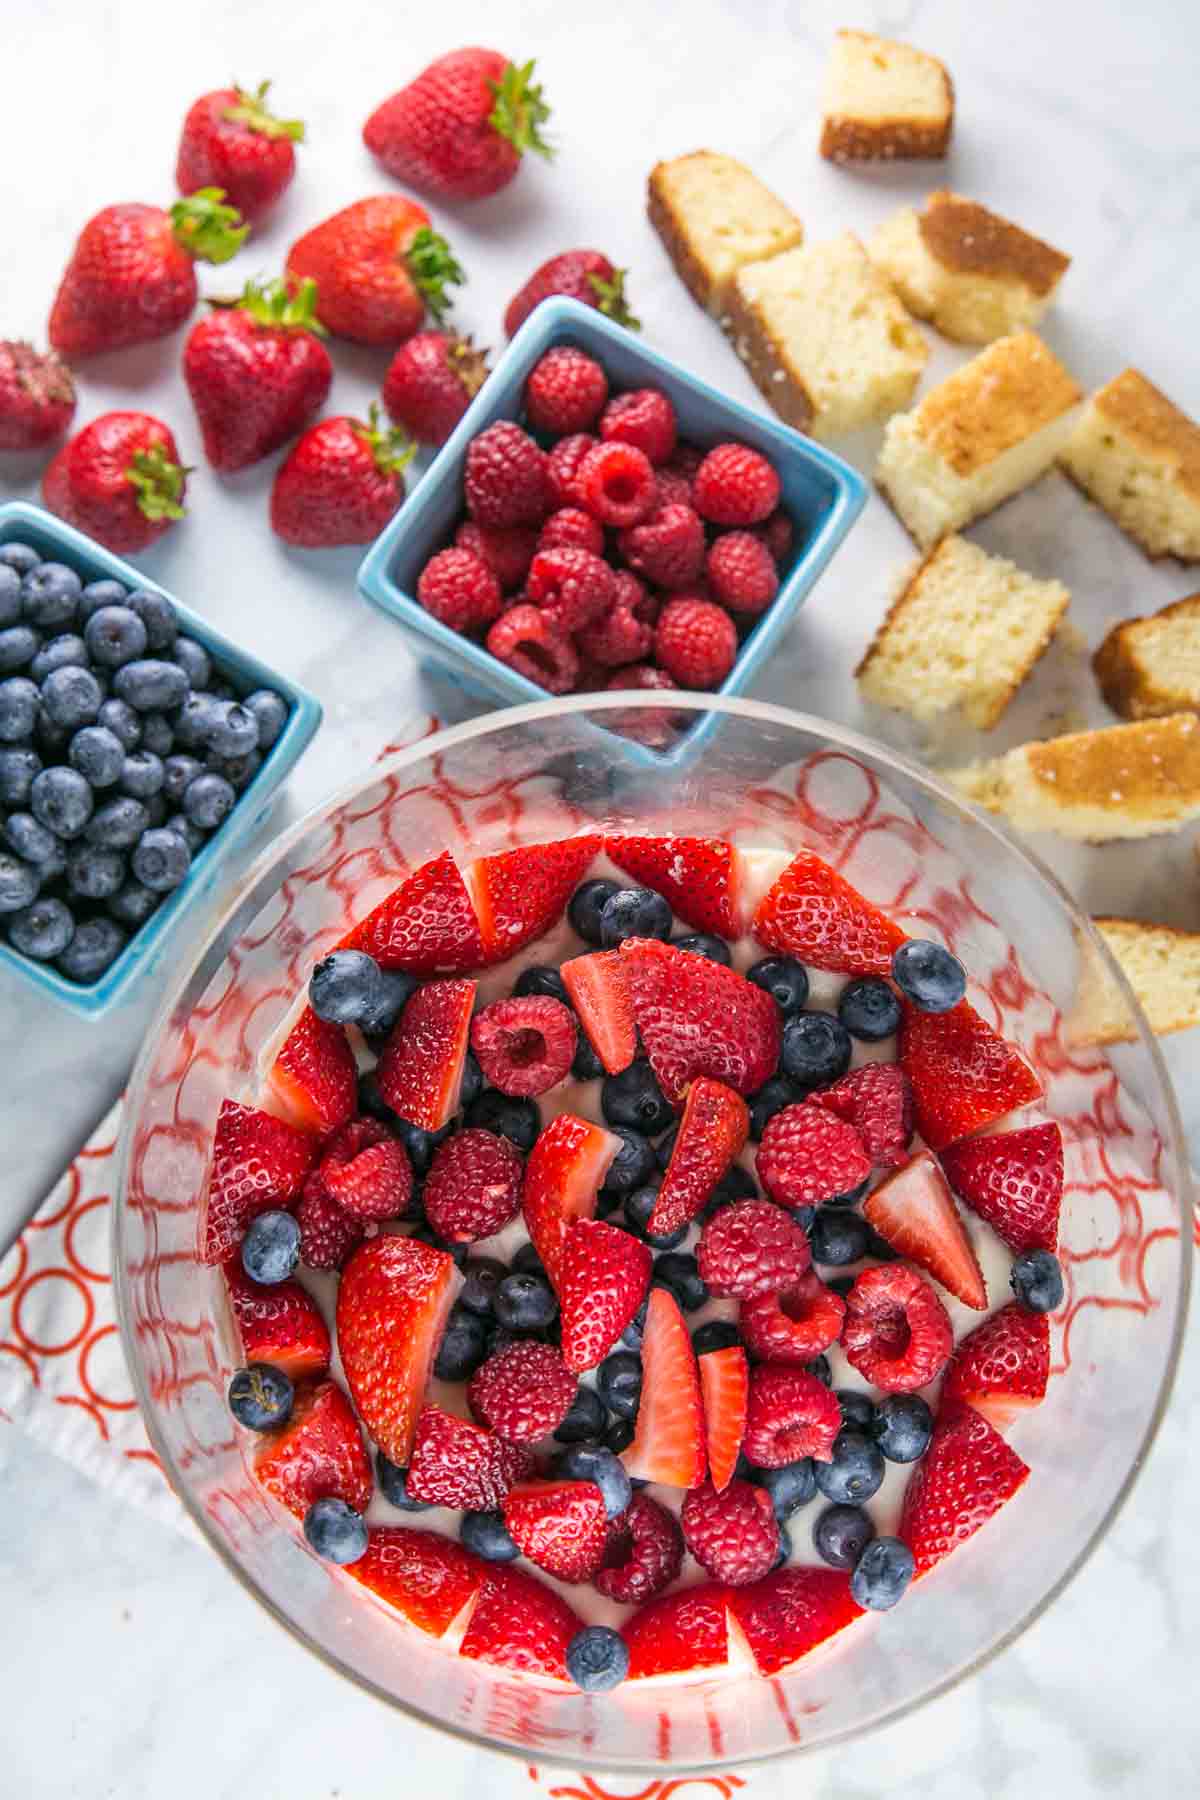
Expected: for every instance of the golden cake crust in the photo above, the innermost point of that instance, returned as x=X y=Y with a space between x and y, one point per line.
x=1010 y=390
x=1127 y=680
x=967 y=238
x=1154 y=423
x=1149 y=767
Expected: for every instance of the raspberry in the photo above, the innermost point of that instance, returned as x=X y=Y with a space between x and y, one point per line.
x=570 y=525
x=507 y=549
x=563 y=465
x=626 y=631
x=896 y=1333
x=527 y=639
x=572 y=587
x=565 y=392
x=474 y=1186
x=459 y=589
x=506 y=481
x=644 y=1553
x=327 y=1234
x=806 y=1156
x=644 y=418
x=792 y=1326
x=777 y=534
x=741 y=572
x=734 y=485
x=455 y=1463
x=696 y=642
x=674 y=487
x=525 y=1045
x=522 y=1392
x=790 y=1414
x=653 y=726
x=616 y=484
x=668 y=547
x=751 y=1247
x=877 y=1100
x=733 y=1535
x=367 y=1172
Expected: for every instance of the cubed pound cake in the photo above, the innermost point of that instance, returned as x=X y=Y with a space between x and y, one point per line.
x=985 y=433
x=713 y=215
x=973 y=274
x=884 y=100
x=1147 y=667
x=1161 y=965
x=1125 y=781
x=1138 y=457
x=824 y=337
x=963 y=634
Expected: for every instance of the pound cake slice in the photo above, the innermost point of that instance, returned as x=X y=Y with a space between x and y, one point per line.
x=884 y=100
x=1124 y=781
x=1138 y=456
x=1147 y=667
x=713 y=214
x=963 y=633
x=1161 y=965
x=824 y=337
x=987 y=431
x=970 y=272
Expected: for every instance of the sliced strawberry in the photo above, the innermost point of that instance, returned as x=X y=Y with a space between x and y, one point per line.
x=1014 y=1181
x=521 y=1624
x=698 y=1018
x=563 y=1174
x=428 y=1578
x=314 y=1079
x=915 y=1211
x=787 y=1614
x=455 y=1463
x=281 y=1324
x=668 y=1443
x=1002 y=1367
x=877 y=1101
x=562 y=1526
x=603 y=1277
x=600 y=995
x=812 y=913
x=520 y=894
x=319 y=1454
x=964 y=1075
x=965 y=1476
x=725 y=1387
x=427 y=926
x=700 y=877
x=420 y=1071
x=393 y=1301
x=258 y=1162
x=714 y=1127
x=679 y=1632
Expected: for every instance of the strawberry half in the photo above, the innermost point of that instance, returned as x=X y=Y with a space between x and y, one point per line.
x=427 y=926
x=1014 y=1182
x=600 y=995
x=679 y=1632
x=964 y=1478
x=563 y=1174
x=258 y=1162
x=281 y=1324
x=455 y=1463
x=319 y=1454
x=421 y=1069
x=1002 y=1367
x=699 y=1018
x=521 y=1624
x=700 y=877
x=714 y=1127
x=725 y=1389
x=426 y=1577
x=314 y=1079
x=812 y=913
x=603 y=1277
x=877 y=1101
x=668 y=1442
x=520 y=894
x=394 y=1297
x=562 y=1526
x=964 y=1075
x=915 y=1211
x=787 y=1614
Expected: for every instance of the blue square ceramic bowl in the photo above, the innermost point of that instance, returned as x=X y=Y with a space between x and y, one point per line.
x=823 y=495
x=51 y=537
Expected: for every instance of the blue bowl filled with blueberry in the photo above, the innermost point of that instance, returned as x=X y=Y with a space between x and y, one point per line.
x=137 y=747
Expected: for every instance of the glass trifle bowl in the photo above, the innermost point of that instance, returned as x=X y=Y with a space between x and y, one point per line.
x=775 y=781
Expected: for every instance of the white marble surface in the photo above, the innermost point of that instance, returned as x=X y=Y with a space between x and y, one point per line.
x=138 y=1668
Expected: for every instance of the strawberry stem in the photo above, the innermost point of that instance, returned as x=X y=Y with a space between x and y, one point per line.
x=611 y=301
x=433 y=268
x=159 y=483
x=270 y=303
x=392 y=449
x=520 y=111
x=208 y=231
x=251 y=110
x=468 y=363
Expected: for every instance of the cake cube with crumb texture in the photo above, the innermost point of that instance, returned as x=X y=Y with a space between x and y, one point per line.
x=713 y=214
x=884 y=101
x=1138 y=456
x=824 y=337
x=982 y=435
x=963 y=634
x=1161 y=965
x=973 y=274
x=1147 y=667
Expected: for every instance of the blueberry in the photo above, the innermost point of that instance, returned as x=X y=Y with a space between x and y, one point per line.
x=631 y=1337
x=371 y=1101
x=526 y=1261
x=929 y=975
x=594 y=1462
x=61 y=800
x=178 y=772
x=820 y=1367
x=95 y=874
x=195 y=662
x=18 y=771
x=841 y=1285
x=133 y=904
x=234 y=731
x=151 y=685
x=482 y=1276
x=30 y=841
x=222 y=690
x=141 y=774
x=789 y=1487
x=19 y=883
x=516 y=1119
x=633 y=912
x=903 y=1427
x=619 y=1435
x=856 y=1470
x=269 y=709
x=587 y=1065
x=1037 y=1281
x=420 y=1144
x=344 y=985
x=50 y=595
x=638 y=1207
x=736 y=1184
x=260 y=1396
x=119 y=717
x=161 y=859
x=271 y=1247
x=869 y=1009
x=118 y=824
x=393 y=1485
x=157 y=734
x=65 y=650
x=586 y=1418
x=193 y=835
x=19 y=644
x=841 y=1534
x=851 y=1197
x=19 y=557
x=785 y=979
x=717 y=1334
x=194 y=721
x=784 y=1553
x=114 y=636
x=386 y=1015
x=525 y=1303
x=95 y=595
x=664 y=1149
x=838 y=1237
x=43 y=929
x=619 y=1383
x=486 y=1535
x=677 y=1272
x=539 y=978
x=71 y=697
x=882 y=1574
x=463 y=1346
x=586 y=905
x=97 y=754
x=380 y=1018
x=633 y=1164
x=634 y=1098
x=97 y=943
x=816 y=1048
x=858 y=1409
x=597 y=1659
x=336 y=1532
x=771 y=1098
x=10 y=597
x=238 y=771
x=703 y=943
x=157 y=616
x=425 y=1234
x=879 y=1250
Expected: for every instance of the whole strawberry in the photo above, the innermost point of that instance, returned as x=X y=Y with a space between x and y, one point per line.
x=460 y=129
x=431 y=382
x=379 y=268
x=231 y=141
x=132 y=275
x=585 y=275
x=37 y=396
x=340 y=484
x=256 y=372
x=119 y=479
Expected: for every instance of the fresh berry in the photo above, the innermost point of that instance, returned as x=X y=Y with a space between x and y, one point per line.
x=572 y=587
x=460 y=128
x=336 y=1531
x=426 y=1577
x=473 y=1188
x=615 y=483
x=340 y=483
x=741 y=573
x=586 y=909
x=256 y=372
x=786 y=1615
x=807 y=1154
x=1002 y=1367
x=785 y=979
x=695 y=641
x=771 y=1098
x=869 y=1009
x=505 y=479
x=431 y=381
x=319 y=1454
x=794 y=1325
x=457 y=1464
x=815 y=1049
x=459 y=590
x=421 y=1069
x=915 y=1212
x=565 y=1170
x=393 y=1485
x=561 y=1526
x=644 y=1553
x=464 y=1344
x=735 y=486
x=524 y=1303
x=668 y=1444
x=903 y=1424
x=314 y=1078
x=595 y=1463
x=677 y=1272
x=520 y=894
x=1013 y=1180
x=752 y=1247
x=584 y=275
x=271 y=1247
x=897 y=1333
x=393 y=1302
x=778 y=535
x=712 y=1132
x=563 y=464
x=602 y=1280
x=964 y=1075
x=599 y=994
x=520 y=1624
x=426 y=927
x=657 y=727
x=327 y=1234
x=43 y=929
x=882 y=1574
x=260 y=1397
x=841 y=1533
x=507 y=550
x=674 y=487
x=1037 y=1281
x=486 y=1535
x=597 y=1659
x=230 y=140
x=877 y=1101
x=812 y=913
x=964 y=1478
x=120 y=480
x=928 y=975
x=525 y=1046
x=523 y=1392
x=585 y=1418
x=259 y=1163
x=37 y=396
x=527 y=641
x=678 y=1633
x=345 y=987
x=634 y=912
x=838 y=1238
x=517 y=1120
x=855 y=1470
x=791 y=1486
x=700 y=878
x=565 y=392
x=370 y=1175
x=379 y=268
x=725 y=1389
x=790 y=1415
x=733 y=1535
x=643 y=417
x=572 y=528
x=697 y=1018
x=703 y=943
x=619 y=1383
